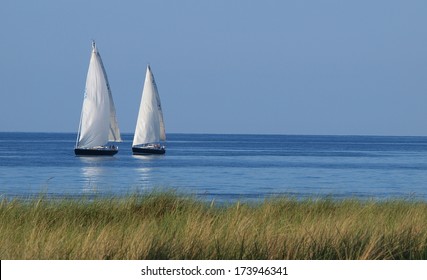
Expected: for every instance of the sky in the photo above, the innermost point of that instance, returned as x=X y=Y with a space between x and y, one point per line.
x=329 y=67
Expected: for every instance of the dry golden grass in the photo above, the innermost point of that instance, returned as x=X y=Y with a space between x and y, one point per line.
x=168 y=226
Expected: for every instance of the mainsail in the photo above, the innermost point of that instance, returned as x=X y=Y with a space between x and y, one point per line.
x=150 y=126
x=98 y=124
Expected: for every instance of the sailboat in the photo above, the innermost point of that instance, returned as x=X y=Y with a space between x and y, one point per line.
x=150 y=127
x=98 y=123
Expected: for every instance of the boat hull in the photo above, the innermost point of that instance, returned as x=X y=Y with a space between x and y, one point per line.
x=95 y=152
x=148 y=151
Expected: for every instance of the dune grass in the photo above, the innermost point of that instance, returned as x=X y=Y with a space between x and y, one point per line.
x=170 y=226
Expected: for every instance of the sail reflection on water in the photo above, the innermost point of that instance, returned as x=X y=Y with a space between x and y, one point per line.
x=95 y=175
x=145 y=178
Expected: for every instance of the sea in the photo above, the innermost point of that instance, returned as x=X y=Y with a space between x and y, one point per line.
x=220 y=167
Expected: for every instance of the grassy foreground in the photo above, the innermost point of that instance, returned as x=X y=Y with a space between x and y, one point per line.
x=169 y=226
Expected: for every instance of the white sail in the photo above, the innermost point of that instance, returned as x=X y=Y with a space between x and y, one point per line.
x=114 y=134
x=159 y=109
x=98 y=119
x=149 y=126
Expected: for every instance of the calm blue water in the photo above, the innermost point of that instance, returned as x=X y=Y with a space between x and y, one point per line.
x=224 y=167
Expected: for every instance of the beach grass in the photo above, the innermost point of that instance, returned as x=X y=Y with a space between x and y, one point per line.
x=170 y=226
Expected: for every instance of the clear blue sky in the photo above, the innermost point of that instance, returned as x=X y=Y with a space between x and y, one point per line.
x=223 y=66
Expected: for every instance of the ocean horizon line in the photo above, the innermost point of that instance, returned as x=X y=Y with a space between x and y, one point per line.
x=229 y=133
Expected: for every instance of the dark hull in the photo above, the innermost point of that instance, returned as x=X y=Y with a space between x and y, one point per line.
x=148 y=151
x=95 y=152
